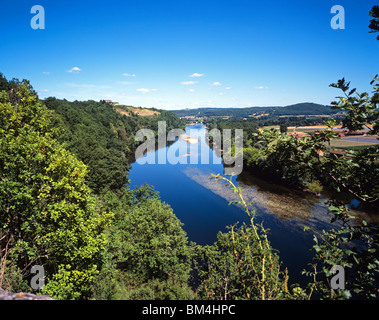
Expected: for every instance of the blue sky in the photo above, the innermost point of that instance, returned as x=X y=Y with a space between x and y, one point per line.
x=176 y=54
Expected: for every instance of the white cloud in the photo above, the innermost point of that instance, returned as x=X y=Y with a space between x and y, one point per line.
x=191 y=90
x=74 y=70
x=216 y=83
x=261 y=88
x=46 y=73
x=186 y=83
x=222 y=93
x=144 y=90
x=228 y=88
x=196 y=75
x=43 y=90
x=128 y=74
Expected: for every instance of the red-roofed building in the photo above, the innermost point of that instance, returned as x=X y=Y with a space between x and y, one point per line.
x=298 y=135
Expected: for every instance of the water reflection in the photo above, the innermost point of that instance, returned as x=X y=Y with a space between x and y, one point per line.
x=202 y=204
x=197 y=161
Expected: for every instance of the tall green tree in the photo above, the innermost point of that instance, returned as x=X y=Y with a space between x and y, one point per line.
x=355 y=245
x=374 y=22
x=48 y=216
x=147 y=249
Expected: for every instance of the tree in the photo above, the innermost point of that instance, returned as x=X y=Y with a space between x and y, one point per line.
x=241 y=264
x=374 y=23
x=48 y=216
x=147 y=251
x=360 y=173
x=283 y=128
x=354 y=246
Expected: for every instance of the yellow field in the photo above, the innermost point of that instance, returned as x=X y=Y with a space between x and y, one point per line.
x=338 y=143
x=270 y=127
x=138 y=111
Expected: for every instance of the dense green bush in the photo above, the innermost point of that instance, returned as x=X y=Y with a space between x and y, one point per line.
x=147 y=252
x=48 y=215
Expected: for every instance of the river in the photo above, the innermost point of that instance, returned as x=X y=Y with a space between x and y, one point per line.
x=202 y=205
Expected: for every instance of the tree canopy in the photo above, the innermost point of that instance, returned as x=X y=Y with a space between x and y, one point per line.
x=374 y=22
x=48 y=216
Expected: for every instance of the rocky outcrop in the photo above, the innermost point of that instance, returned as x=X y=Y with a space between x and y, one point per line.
x=6 y=295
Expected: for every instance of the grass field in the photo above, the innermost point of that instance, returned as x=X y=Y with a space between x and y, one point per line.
x=138 y=111
x=346 y=144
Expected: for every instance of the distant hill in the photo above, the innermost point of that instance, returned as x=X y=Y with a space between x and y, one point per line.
x=298 y=109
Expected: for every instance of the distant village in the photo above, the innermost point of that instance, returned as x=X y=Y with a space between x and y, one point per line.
x=112 y=102
x=348 y=139
x=342 y=132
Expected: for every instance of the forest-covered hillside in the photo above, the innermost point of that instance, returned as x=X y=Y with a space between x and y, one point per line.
x=103 y=137
x=65 y=204
x=257 y=112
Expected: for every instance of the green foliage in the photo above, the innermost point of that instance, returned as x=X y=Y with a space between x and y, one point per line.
x=305 y=162
x=102 y=138
x=254 y=156
x=147 y=253
x=50 y=218
x=150 y=242
x=161 y=290
x=237 y=267
x=284 y=158
x=301 y=161
x=127 y=244
x=374 y=22
x=47 y=214
x=315 y=186
x=241 y=264
x=359 y=173
x=283 y=128
x=355 y=248
x=362 y=109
